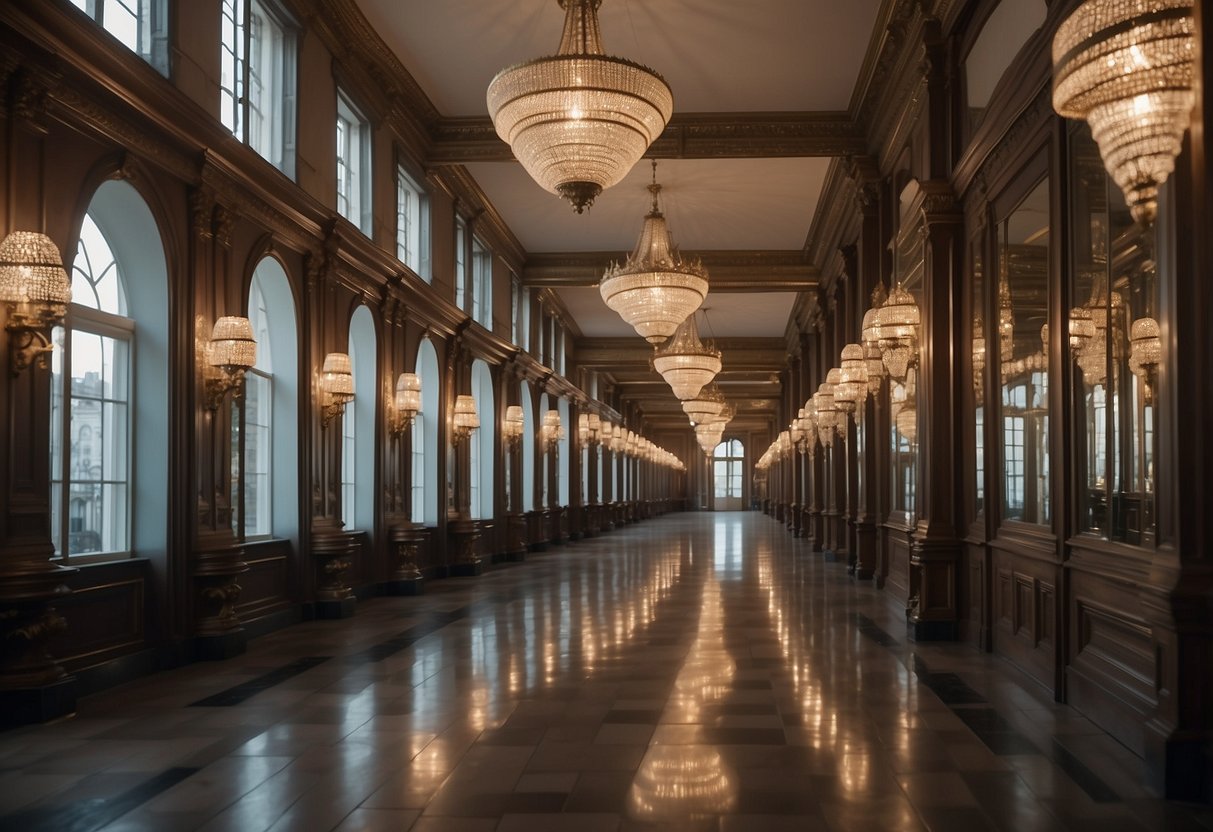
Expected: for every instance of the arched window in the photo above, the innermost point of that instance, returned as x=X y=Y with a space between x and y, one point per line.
x=544 y=485
x=480 y=445
x=358 y=427
x=563 y=461
x=425 y=438
x=528 y=448
x=271 y=401
x=107 y=479
x=728 y=459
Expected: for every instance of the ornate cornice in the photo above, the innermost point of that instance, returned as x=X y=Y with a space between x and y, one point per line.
x=688 y=136
x=730 y=271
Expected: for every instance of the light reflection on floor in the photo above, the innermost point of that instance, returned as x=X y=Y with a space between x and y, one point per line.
x=696 y=671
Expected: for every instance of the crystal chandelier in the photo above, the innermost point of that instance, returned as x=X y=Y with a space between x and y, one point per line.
x=685 y=363
x=580 y=119
x=655 y=290
x=979 y=356
x=852 y=388
x=1145 y=347
x=706 y=406
x=898 y=320
x=1127 y=67
x=1089 y=325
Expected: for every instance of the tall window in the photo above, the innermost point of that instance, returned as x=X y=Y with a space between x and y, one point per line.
x=481 y=443
x=268 y=436
x=461 y=263
x=140 y=25
x=258 y=423
x=257 y=79
x=353 y=165
x=728 y=460
x=516 y=310
x=528 y=447
x=482 y=284
x=90 y=407
x=358 y=426
x=563 y=462
x=425 y=438
x=412 y=224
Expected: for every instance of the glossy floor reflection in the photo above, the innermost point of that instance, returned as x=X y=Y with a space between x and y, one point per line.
x=696 y=671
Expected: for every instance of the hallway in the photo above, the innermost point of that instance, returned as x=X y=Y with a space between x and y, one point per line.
x=696 y=671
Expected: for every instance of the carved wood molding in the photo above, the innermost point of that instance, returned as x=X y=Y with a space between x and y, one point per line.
x=731 y=271
x=458 y=140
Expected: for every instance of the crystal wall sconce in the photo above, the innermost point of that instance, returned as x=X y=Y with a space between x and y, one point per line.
x=231 y=351
x=336 y=386
x=406 y=404
x=466 y=420
x=512 y=427
x=36 y=290
x=552 y=431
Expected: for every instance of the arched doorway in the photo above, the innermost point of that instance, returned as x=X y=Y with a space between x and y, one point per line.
x=728 y=462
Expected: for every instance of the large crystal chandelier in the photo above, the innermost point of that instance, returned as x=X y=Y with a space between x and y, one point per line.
x=580 y=119
x=685 y=363
x=655 y=290
x=706 y=406
x=1127 y=66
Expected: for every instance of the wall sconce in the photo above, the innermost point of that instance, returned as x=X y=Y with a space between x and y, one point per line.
x=231 y=350
x=466 y=419
x=336 y=386
x=552 y=431
x=583 y=429
x=1127 y=68
x=406 y=404
x=512 y=427
x=36 y=289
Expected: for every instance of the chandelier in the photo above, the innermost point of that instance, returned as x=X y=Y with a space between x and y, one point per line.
x=1145 y=346
x=580 y=119
x=852 y=388
x=898 y=320
x=706 y=406
x=1127 y=66
x=685 y=363
x=1088 y=330
x=655 y=290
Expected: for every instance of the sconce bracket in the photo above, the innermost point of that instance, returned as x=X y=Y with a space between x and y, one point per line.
x=216 y=387
x=28 y=342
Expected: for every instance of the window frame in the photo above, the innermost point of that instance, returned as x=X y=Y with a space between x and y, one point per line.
x=406 y=183
x=358 y=164
x=151 y=28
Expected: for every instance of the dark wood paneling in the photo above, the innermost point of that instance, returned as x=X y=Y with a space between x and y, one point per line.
x=106 y=618
x=1025 y=610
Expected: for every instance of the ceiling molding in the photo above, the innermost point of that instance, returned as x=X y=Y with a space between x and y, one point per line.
x=456 y=140
x=730 y=271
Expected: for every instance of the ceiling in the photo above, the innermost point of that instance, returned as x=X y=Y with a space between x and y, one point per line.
x=719 y=57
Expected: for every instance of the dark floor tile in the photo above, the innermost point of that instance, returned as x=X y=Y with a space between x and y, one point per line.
x=239 y=693
x=88 y=815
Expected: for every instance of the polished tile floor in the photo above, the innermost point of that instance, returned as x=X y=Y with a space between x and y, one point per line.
x=695 y=671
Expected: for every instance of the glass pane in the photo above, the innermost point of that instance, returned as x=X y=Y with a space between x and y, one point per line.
x=1023 y=335
x=1114 y=297
x=978 y=363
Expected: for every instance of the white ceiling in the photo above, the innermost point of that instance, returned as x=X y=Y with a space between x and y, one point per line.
x=729 y=314
x=708 y=203
x=717 y=55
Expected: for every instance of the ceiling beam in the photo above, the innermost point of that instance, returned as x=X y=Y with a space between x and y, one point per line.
x=459 y=140
x=730 y=271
